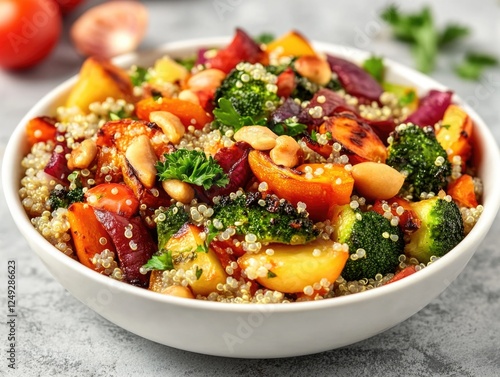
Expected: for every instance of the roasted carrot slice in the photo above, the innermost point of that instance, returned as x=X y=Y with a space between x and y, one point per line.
x=189 y=113
x=41 y=129
x=89 y=236
x=462 y=191
x=114 y=197
x=359 y=140
x=407 y=271
x=320 y=192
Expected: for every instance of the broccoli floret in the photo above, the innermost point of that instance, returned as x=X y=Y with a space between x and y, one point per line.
x=169 y=222
x=269 y=219
x=61 y=197
x=440 y=231
x=416 y=153
x=251 y=90
x=371 y=237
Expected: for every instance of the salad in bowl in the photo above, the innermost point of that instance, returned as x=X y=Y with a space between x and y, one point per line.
x=252 y=173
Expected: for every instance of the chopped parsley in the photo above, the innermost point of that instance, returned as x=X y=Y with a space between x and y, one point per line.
x=199 y=271
x=139 y=75
x=289 y=127
x=160 y=262
x=375 y=67
x=264 y=38
x=419 y=30
x=474 y=64
x=117 y=115
x=271 y=275
x=192 y=167
x=227 y=115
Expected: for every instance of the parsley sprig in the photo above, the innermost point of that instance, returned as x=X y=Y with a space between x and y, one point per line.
x=226 y=115
x=192 y=167
x=374 y=65
x=160 y=262
x=419 y=30
x=473 y=65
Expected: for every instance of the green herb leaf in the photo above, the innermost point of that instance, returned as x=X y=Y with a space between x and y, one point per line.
x=375 y=67
x=117 y=115
x=139 y=75
x=160 y=262
x=419 y=30
x=452 y=33
x=314 y=136
x=407 y=98
x=474 y=64
x=227 y=115
x=264 y=38
x=199 y=271
x=289 y=127
x=469 y=71
x=481 y=59
x=192 y=167
x=271 y=275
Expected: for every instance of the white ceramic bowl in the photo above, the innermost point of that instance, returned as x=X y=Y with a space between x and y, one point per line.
x=254 y=331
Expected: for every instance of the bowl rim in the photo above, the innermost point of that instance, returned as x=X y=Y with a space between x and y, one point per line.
x=11 y=173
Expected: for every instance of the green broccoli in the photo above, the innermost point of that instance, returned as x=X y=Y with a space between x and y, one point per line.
x=441 y=229
x=251 y=90
x=61 y=197
x=374 y=244
x=269 y=219
x=169 y=222
x=415 y=152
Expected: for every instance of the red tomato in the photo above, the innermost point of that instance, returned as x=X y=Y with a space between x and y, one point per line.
x=29 y=30
x=113 y=197
x=68 y=5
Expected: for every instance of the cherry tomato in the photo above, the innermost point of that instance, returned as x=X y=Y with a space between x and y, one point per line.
x=29 y=30
x=113 y=197
x=68 y=5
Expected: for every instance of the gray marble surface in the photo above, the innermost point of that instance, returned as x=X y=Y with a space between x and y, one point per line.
x=457 y=334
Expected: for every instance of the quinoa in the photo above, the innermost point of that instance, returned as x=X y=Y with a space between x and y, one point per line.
x=242 y=284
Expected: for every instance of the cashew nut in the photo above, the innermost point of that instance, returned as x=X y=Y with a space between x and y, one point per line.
x=178 y=190
x=170 y=124
x=142 y=158
x=259 y=137
x=286 y=152
x=82 y=156
x=376 y=180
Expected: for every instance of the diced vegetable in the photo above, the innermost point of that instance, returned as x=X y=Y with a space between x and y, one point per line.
x=293 y=269
x=463 y=191
x=320 y=193
x=455 y=133
x=189 y=113
x=354 y=79
x=89 y=236
x=185 y=247
x=431 y=109
x=291 y=44
x=98 y=80
x=41 y=129
x=134 y=245
x=356 y=137
x=113 y=197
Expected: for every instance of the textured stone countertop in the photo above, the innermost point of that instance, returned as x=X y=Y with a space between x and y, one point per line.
x=457 y=334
